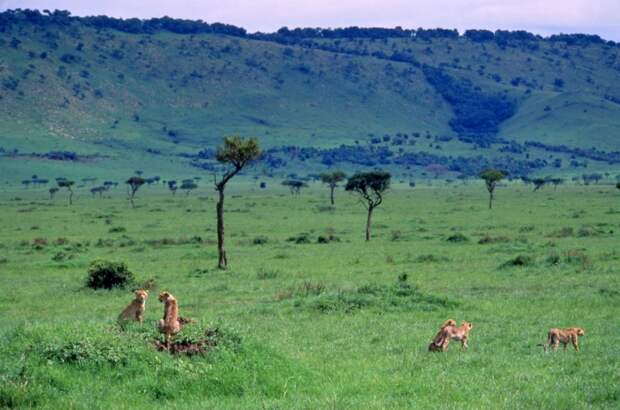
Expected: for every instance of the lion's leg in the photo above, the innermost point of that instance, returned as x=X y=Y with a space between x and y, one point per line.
x=575 y=341
x=555 y=343
x=464 y=343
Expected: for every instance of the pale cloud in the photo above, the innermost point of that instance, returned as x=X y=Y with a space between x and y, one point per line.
x=541 y=16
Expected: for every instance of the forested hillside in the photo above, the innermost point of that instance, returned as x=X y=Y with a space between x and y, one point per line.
x=98 y=96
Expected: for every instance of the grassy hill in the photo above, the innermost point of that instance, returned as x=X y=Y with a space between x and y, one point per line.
x=126 y=95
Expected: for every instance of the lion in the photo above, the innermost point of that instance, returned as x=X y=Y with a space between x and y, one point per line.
x=135 y=309
x=564 y=336
x=170 y=324
x=450 y=332
x=436 y=343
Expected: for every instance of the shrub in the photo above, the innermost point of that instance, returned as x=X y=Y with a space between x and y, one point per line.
x=300 y=239
x=553 y=259
x=396 y=235
x=327 y=239
x=117 y=229
x=430 y=258
x=586 y=231
x=104 y=274
x=493 y=239
x=519 y=261
x=578 y=257
x=259 y=240
x=562 y=233
x=457 y=237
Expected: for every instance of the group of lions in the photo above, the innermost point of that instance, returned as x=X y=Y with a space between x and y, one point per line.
x=172 y=323
x=450 y=331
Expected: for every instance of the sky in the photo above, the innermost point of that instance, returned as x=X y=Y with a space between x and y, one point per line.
x=543 y=17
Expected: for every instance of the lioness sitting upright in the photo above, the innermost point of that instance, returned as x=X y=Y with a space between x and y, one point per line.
x=449 y=331
x=564 y=336
x=170 y=324
x=135 y=309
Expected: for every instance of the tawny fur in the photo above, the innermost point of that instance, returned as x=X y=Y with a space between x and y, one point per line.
x=449 y=333
x=135 y=309
x=564 y=336
x=170 y=324
x=433 y=346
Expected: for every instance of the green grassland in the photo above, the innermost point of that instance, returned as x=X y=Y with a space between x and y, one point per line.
x=145 y=98
x=314 y=325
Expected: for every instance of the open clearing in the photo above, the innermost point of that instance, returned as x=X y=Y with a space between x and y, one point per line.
x=315 y=325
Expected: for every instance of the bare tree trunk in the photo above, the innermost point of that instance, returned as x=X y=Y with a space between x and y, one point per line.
x=70 y=197
x=331 y=194
x=368 y=220
x=490 y=199
x=222 y=261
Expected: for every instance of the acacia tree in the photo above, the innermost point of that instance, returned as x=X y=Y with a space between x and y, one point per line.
x=235 y=153
x=539 y=183
x=332 y=179
x=65 y=183
x=556 y=182
x=370 y=186
x=294 y=186
x=491 y=177
x=172 y=186
x=188 y=185
x=53 y=191
x=134 y=184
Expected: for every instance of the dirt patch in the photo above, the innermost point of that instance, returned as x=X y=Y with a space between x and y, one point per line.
x=191 y=347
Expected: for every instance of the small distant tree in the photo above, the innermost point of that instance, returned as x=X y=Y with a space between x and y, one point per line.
x=65 y=183
x=491 y=177
x=556 y=182
x=53 y=191
x=98 y=190
x=188 y=185
x=236 y=153
x=538 y=183
x=332 y=179
x=172 y=186
x=371 y=187
x=294 y=186
x=134 y=184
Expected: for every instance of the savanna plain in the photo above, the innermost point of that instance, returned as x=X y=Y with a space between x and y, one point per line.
x=310 y=315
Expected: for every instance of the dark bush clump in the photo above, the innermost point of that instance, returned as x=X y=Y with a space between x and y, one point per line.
x=260 y=240
x=562 y=233
x=519 y=261
x=300 y=239
x=430 y=258
x=457 y=237
x=117 y=229
x=107 y=275
x=327 y=239
x=493 y=239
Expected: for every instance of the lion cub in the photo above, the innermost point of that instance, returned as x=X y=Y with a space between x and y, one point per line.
x=449 y=331
x=564 y=336
x=135 y=309
x=170 y=324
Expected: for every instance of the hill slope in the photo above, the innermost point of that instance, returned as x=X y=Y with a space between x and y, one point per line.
x=127 y=94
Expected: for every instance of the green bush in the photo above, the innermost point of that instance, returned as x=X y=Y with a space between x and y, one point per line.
x=104 y=274
x=457 y=237
x=519 y=261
